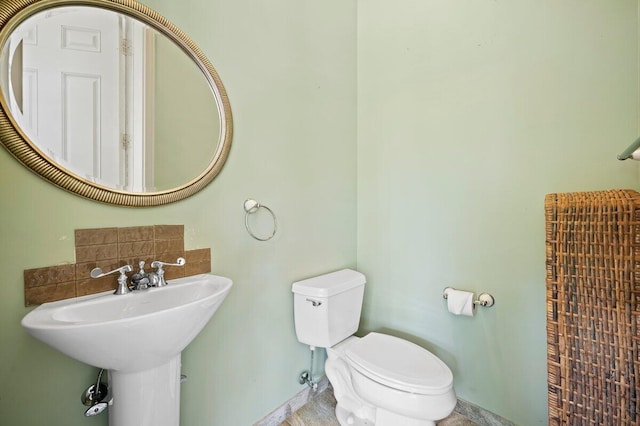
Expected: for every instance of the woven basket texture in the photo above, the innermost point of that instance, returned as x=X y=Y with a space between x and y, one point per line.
x=593 y=303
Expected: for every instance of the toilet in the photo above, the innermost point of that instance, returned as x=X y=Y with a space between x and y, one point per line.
x=378 y=379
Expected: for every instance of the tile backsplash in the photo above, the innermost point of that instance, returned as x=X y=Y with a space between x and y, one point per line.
x=110 y=248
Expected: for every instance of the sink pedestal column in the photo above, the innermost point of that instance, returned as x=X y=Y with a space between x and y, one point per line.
x=146 y=398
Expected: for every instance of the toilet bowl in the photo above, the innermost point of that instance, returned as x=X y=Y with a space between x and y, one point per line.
x=378 y=379
x=388 y=381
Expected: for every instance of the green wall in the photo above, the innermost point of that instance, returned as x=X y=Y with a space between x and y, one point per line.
x=469 y=112
x=289 y=68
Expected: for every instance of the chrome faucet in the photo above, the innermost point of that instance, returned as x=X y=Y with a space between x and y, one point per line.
x=141 y=280
x=123 y=288
x=160 y=271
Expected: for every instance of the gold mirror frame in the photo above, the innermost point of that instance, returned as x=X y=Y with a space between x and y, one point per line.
x=14 y=12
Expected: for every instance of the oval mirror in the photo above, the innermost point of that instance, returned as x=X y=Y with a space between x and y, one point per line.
x=107 y=99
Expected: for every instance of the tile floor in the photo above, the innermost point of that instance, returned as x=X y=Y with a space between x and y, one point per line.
x=320 y=412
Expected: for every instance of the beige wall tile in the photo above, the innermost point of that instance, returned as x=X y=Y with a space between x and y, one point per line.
x=97 y=252
x=172 y=272
x=198 y=261
x=49 y=293
x=169 y=246
x=135 y=249
x=195 y=268
x=169 y=257
x=88 y=237
x=198 y=255
x=169 y=232
x=49 y=275
x=135 y=233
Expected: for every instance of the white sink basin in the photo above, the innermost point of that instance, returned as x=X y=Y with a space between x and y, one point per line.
x=131 y=332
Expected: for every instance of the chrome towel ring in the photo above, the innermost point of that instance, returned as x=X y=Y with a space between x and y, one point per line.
x=251 y=206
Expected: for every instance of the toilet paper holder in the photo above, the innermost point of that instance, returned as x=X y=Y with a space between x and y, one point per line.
x=484 y=299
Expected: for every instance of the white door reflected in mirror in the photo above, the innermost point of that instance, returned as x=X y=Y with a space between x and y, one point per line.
x=70 y=97
x=108 y=98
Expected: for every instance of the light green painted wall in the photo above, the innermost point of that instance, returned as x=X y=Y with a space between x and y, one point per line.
x=469 y=112
x=289 y=68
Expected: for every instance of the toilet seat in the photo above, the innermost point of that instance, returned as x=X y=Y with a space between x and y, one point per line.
x=399 y=364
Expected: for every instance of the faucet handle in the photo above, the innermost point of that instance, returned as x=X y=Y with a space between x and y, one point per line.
x=97 y=272
x=157 y=264
x=123 y=288
x=161 y=282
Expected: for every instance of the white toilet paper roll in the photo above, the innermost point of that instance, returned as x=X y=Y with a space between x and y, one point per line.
x=460 y=302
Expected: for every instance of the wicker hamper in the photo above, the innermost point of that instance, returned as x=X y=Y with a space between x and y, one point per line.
x=593 y=307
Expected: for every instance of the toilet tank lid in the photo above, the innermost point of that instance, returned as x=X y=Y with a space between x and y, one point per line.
x=329 y=284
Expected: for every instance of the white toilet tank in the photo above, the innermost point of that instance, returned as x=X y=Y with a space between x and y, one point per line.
x=327 y=308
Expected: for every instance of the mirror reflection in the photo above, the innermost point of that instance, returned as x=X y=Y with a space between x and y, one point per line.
x=110 y=99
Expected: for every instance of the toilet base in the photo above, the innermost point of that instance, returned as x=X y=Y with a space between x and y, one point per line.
x=387 y=418
x=383 y=418
x=347 y=418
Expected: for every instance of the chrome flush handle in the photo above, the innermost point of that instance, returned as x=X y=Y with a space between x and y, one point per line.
x=314 y=303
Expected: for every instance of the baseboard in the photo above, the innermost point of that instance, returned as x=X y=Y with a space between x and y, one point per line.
x=276 y=417
x=480 y=415
x=284 y=411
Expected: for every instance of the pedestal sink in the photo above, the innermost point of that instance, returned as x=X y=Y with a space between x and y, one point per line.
x=138 y=337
